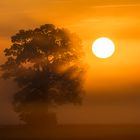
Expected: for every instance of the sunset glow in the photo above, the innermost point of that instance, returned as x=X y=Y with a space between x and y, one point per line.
x=108 y=37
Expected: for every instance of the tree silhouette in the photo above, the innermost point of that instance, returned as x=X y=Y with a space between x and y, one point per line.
x=46 y=63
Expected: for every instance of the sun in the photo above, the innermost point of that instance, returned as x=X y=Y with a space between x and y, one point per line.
x=103 y=47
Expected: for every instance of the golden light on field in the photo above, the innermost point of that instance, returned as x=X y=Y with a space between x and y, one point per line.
x=103 y=47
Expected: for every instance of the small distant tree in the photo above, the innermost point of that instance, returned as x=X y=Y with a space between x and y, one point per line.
x=46 y=63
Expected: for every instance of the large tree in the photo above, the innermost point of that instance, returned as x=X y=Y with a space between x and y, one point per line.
x=46 y=63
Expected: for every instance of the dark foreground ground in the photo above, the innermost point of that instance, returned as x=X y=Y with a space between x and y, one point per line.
x=71 y=132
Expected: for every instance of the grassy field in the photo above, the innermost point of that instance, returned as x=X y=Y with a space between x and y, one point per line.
x=71 y=132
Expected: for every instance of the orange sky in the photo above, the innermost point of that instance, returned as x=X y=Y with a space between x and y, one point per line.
x=90 y=19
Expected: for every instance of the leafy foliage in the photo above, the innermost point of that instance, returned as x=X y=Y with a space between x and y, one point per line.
x=46 y=63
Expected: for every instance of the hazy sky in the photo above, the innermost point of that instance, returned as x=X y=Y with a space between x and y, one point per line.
x=113 y=84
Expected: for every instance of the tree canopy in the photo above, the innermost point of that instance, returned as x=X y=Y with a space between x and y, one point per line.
x=46 y=63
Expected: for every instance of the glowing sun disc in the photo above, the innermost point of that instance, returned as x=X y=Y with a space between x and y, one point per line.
x=103 y=47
